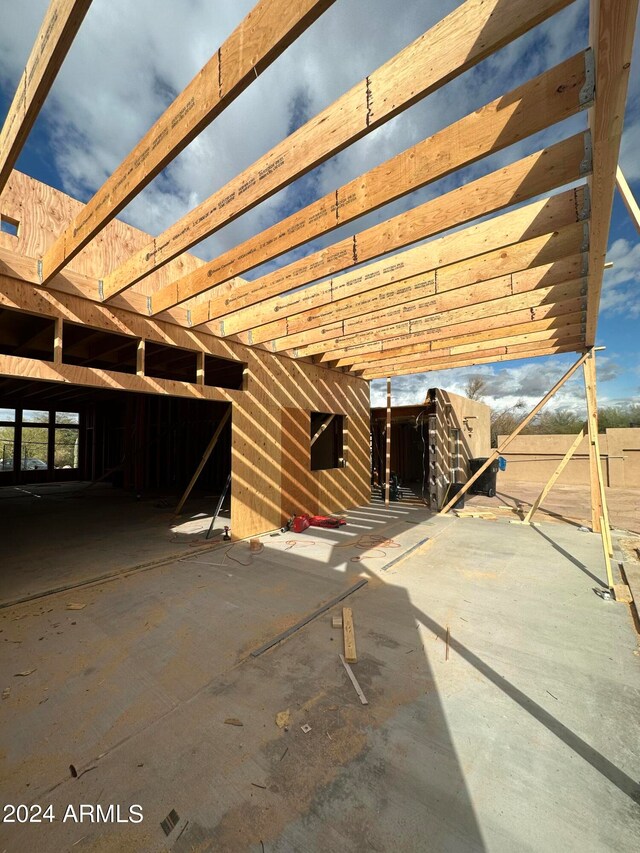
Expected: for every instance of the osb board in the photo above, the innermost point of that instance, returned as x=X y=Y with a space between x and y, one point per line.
x=43 y=212
x=274 y=383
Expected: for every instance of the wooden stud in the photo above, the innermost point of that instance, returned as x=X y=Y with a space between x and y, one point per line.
x=554 y=477
x=57 y=340
x=350 y=654
x=55 y=36
x=540 y=102
x=465 y=37
x=200 y=368
x=205 y=458
x=627 y=197
x=507 y=441
x=261 y=37
x=612 y=29
x=140 y=356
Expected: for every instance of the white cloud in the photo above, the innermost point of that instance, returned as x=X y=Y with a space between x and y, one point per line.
x=620 y=284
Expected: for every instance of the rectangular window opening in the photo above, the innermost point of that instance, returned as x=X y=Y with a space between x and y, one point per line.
x=9 y=225
x=327 y=440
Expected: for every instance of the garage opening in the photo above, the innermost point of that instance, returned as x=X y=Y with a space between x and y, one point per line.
x=95 y=476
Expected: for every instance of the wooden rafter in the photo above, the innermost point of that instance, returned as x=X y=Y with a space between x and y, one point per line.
x=450 y=323
x=529 y=236
x=261 y=37
x=458 y=42
x=572 y=321
x=612 y=29
x=535 y=175
x=498 y=354
x=458 y=347
x=529 y=288
x=55 y=36
x=534 y=106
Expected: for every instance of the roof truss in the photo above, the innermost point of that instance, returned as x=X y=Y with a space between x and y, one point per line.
x=381 y=301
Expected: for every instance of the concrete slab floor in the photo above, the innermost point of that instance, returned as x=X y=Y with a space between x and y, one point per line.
x=525 y=738
x=54 y=535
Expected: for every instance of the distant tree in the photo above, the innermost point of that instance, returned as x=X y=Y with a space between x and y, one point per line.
x=504 y=421
x=475 y=387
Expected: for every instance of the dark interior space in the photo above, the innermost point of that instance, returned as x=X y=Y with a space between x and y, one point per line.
x=224 y=373
x=88 y=347
x=164 y=362
x=327 y=441
x=409 y=443
x=26 y=335
x=144 y=443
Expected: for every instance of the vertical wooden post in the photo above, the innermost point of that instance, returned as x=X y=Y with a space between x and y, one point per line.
x=140 y=358
x=387 y=475
x=594 y=455
x=200 y=368
x=57 y=341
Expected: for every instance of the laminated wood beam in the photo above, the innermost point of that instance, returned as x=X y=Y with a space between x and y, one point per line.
x=539 y=173
x=315 y=305
x=447 y=324
x=467 y=35
x=449 y=338
x=540 y=285
x=537 y=104
x=55 y=36
x=500 y=354
x=507 y=441
x=422 y=352
x=612 y=29
x=261 y=37
x=627 y=197
x=446 y=286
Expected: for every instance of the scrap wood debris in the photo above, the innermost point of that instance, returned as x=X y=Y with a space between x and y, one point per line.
x=24 y=673
x=72 y=606
x=233 y=721
x=282 y=719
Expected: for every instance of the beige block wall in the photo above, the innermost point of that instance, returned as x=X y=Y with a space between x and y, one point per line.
x=533 y=458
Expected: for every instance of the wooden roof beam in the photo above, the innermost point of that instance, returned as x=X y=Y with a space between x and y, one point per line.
x=446 y=287
x=523 y=289
x=545 y=316
x=467 y=35
x=367 y=288
x=55 y=36
x=258 y=40
x=540 y=102
x=498 y=354
x=534 y=175
x=568 y=324
x=612 y=29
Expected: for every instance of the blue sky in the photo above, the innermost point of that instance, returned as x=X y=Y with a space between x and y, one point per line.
x=130 y=60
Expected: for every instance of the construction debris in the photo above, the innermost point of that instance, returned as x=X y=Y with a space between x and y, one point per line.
x=232 y=721
x=354 y=681
x=349 y=636
x=24 y=673
x=336 y=621
x=72 y=606
x=306 y=728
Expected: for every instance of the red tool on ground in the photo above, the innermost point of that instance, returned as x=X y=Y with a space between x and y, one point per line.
x=300 y=523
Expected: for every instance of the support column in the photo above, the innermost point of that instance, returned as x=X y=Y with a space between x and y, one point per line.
x=57 y=341
x=200 y=368
x=387 y=475
x=595 y=470
x=140 y=359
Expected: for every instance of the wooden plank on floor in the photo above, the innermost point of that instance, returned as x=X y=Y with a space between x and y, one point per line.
x=349 y=635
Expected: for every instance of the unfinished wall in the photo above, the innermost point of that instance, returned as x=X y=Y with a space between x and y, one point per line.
x=270 y=418
x=533 y=458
